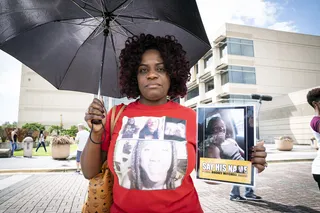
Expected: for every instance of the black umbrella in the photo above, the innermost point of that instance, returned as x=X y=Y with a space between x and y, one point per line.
x=71 y=43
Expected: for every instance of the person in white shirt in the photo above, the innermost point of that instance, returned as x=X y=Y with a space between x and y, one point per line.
x=81 y=139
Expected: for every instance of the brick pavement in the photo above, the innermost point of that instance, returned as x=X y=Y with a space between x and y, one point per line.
x=285 y=187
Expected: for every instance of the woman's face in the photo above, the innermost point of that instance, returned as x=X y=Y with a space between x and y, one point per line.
x=152 y=124
x=156 y=158
x=219 y=131
x=153 y=80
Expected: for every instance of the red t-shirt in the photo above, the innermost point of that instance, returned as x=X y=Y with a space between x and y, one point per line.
x=151 y=155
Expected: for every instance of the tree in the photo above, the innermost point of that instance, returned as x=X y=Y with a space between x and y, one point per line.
x=71 y=132
x=55 y=128
x=7 y=124
x=33 y=127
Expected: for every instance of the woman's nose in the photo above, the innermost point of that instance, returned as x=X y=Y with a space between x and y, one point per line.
x=152 y=74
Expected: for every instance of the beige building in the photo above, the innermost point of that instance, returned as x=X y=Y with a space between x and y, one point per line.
x=41 y=102
x=246 y=60
x=287 y=115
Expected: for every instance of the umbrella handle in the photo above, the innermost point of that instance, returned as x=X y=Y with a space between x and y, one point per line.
x=96 y=121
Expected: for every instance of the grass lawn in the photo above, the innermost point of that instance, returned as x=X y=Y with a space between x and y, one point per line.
x=41 y=151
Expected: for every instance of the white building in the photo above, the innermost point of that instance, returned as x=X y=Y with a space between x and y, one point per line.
x=41 y=102
x=246 y=60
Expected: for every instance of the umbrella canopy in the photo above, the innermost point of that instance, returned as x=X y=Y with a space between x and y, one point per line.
x=69 y=42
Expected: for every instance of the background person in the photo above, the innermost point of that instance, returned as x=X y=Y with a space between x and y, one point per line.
x=313 y=98
x=81 y=139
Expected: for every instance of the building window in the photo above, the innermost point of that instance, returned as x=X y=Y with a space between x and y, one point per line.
x=236 y=98
x=177 y=100
x=208 y=60
x=209 y=85
x=193 y=93
x=196 y=68
x=236 y=46
x=240 y=75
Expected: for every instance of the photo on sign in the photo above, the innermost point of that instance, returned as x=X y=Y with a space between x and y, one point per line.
x=225 y=135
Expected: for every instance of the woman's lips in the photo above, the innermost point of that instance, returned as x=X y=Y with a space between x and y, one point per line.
x=153 y=86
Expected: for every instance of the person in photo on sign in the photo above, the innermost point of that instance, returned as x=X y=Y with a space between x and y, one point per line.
x=227 y=148
x=154 y=70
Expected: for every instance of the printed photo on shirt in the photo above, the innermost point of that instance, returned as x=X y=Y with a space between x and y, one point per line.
x=147 y=164
x=175 y=129
x=225 y=135
x=142 y=127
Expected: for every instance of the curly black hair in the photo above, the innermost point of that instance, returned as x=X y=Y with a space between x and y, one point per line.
x=172 y=53
x=313 y=95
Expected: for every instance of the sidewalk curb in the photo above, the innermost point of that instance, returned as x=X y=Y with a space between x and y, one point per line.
x=35 y=170
x=290 y=160
x=48 y=170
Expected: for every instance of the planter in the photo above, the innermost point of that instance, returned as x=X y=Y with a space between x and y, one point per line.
x=5 y=145
x=284 y=144
x=60 y=151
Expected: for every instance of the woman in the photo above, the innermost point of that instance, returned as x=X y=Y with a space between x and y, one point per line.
x=14 y=137
x=154 y=69
x=313 y=98
x=41 y=141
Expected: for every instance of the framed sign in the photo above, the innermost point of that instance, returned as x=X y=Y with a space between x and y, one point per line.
x=226 y=134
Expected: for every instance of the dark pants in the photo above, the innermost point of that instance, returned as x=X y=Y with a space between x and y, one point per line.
x=317 y=179
x=44 y=146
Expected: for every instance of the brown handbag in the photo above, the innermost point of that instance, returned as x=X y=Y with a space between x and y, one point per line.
x=99 y=198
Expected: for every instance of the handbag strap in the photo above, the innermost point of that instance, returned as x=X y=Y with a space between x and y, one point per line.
x=113 y=121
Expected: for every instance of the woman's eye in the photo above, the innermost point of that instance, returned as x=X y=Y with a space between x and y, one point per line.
x=143 y=70
x=160 y=69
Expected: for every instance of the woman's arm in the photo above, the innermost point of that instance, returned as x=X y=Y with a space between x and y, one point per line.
x=91 y=157
x=91 y=154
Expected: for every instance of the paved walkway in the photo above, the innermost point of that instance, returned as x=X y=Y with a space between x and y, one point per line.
x=47 y=164
x=285 y=187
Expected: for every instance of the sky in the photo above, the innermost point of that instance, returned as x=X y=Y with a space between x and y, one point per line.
x=301 y=16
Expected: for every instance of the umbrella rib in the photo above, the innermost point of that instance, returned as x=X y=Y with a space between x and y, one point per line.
x=115 y=55
x=84 y=10
x=121 y=33
x=123 y=27
x=136 y=17
x=119 y=6
x=75 y=55
x=122 y=10
x=87 y=3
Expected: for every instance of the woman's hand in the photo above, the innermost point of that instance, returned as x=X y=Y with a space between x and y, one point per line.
x=96 y=111
x=258 y=156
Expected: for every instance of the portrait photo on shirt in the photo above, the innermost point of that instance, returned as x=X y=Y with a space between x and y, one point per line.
x=148 y=164
x=142 y=127
x=225 y=132
x=175 y=129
